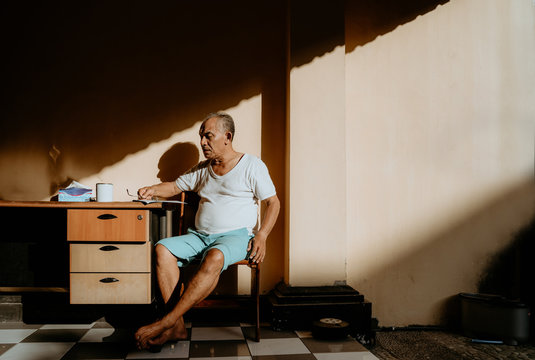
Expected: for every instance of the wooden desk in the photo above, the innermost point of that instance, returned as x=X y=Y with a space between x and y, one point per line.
x=107 y=246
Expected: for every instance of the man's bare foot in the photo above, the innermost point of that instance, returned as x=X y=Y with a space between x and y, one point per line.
x=177 y=332
x=158 y=334
x=149 y=332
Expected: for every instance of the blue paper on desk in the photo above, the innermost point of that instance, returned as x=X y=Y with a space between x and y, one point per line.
x=75 y=192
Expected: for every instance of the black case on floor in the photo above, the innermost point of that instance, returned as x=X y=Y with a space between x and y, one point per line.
x=492 y=317
x=296 y=308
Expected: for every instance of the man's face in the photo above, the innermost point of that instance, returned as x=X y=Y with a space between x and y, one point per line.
x=212 y=139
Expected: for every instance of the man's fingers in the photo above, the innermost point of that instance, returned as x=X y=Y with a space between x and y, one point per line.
x=145 y=193
x=254 y=252
x=257 y=255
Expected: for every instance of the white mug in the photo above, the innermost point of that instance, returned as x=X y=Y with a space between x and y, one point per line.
x=104 y=192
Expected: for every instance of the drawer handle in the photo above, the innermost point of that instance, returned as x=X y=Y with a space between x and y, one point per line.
x=106 y=217
x=109 y=280
x=109 y=248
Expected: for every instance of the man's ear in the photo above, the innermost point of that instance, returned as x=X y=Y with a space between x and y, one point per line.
x=228 y=136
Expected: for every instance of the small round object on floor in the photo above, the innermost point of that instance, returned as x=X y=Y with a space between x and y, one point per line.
x=330 y=328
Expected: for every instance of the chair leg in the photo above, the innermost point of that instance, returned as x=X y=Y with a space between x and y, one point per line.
x=256 y=294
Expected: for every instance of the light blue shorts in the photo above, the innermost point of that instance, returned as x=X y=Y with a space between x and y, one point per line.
x=195 y=245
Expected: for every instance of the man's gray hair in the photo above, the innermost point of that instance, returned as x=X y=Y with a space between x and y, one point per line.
x=225 y=121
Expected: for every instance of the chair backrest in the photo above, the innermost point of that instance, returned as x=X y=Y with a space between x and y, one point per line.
x=187 y=211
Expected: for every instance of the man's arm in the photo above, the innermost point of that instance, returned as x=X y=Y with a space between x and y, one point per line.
x=163 y=190
x=257 y=245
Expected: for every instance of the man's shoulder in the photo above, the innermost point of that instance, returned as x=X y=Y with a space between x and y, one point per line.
x=252 y=159
x=254 y=164
x=199 y=166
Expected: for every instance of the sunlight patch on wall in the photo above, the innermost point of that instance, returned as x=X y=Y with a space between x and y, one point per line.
x=436 y=136
x=317 y=189
x=142 y=168
x=440 y=143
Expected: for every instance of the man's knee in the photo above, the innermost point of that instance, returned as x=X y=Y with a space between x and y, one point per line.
x=163 y=255
x=214 y=260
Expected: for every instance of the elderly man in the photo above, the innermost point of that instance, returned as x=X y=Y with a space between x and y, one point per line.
x=229 y=183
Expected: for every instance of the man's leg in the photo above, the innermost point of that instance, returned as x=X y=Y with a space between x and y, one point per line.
x=170 y=253
x=167 y=271
x=201 y=285
x=168 y=274
x=206 y=279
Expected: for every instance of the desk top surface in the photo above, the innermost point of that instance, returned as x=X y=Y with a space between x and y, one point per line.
x=81 y=205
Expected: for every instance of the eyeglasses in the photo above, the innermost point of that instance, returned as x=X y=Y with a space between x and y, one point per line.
x=128 y=192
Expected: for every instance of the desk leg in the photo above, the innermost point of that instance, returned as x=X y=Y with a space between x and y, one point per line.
x=169 y=223
x=165 y=225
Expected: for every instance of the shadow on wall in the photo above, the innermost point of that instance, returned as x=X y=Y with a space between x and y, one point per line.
x=317 y=27
x=422 y=279
x=99 y=81
x=177 y=160
x=370 y=19
x=511 y=273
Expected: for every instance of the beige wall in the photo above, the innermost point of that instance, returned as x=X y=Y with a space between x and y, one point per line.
x=317 y=181
x=440 y=153
x=434 y=174
x=316 y=152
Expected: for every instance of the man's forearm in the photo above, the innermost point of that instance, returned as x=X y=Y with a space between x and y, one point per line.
x=167 y=189
x=270 y=215
x=257 y=246
x=162 y=190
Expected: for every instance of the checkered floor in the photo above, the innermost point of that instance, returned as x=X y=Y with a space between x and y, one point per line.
x=100 y=340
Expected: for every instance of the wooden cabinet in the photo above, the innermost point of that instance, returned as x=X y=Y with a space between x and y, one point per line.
x=110 y=256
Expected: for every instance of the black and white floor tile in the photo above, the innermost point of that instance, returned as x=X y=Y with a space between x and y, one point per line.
x=100 y=340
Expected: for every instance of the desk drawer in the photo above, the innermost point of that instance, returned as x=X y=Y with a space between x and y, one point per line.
x=105 y=225
x=110 y=288
x=111 y=257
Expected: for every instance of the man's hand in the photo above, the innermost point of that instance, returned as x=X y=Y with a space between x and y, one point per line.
x=162 y=190
x=146 y=192
x=257 y=248
x=257 y=245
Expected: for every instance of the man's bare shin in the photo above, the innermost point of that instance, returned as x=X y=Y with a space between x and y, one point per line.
x=200 y=286
x=167 y=272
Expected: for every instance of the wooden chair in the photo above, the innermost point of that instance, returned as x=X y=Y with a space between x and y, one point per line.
x=187 y=217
